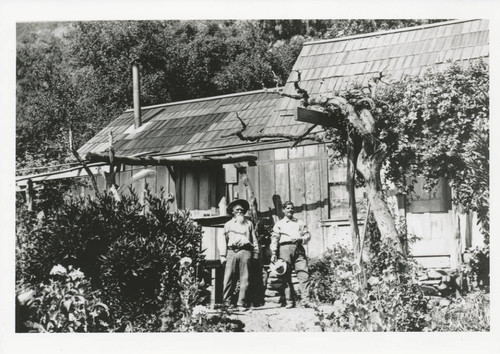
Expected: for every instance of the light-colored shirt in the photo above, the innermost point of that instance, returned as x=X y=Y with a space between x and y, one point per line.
x=289 y=230
x=238 y=235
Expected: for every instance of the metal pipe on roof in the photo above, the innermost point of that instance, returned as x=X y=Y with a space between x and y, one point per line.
x=137 y=95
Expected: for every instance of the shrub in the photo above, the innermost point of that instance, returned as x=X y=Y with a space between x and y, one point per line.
x=468 y=313
x=392 y=300
x=192 y=316
x=130 y=252
x=331 y=274
x=140 y=270
x=65 y=304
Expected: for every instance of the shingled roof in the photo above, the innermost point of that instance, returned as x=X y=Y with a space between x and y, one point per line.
x=330 y=66
x=326 y=66
x=188 y=126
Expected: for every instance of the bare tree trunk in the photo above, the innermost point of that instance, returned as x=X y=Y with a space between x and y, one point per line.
x=369 y=165
x=353 y=213
x=351 y=189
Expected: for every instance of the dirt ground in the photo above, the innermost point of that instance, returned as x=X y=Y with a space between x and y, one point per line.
x=273 y=318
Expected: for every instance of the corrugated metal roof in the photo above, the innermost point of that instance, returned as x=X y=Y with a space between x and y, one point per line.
x=326 y=66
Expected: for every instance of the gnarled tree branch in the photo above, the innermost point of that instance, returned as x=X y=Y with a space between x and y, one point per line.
x=296 y=138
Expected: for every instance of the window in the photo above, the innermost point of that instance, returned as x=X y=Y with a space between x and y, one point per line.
x=424 y=201
x=200 y=188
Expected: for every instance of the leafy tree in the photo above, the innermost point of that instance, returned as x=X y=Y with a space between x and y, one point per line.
x=77 y=74
x=342 y=28
x=441 y=121
x=435 y=126
x=44 y=98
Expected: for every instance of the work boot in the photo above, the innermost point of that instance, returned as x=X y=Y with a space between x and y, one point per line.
x=243 y=307
x=290 y=305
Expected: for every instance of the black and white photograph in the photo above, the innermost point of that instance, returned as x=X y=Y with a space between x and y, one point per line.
x=259 y=180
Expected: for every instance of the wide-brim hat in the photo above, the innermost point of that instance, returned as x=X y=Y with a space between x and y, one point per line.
x=244 y=204
x=278 y=267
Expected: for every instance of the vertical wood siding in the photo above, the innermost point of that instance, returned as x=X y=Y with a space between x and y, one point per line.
x=299 y=175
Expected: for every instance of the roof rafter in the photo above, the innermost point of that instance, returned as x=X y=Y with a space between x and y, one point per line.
x=171 y=161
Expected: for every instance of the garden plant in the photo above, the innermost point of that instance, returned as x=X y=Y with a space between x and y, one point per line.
x=127 y=256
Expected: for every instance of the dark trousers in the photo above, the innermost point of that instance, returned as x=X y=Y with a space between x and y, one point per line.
x=295 y=256
x=256 y=290
x=237 y=268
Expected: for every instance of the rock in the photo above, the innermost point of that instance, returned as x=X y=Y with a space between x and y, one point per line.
x=435 y=274
x=429 y=290
x=442 y=286
x=434 y=301
x=444 y=302
x=275 y=299
x=272 y=293
x=431 y=282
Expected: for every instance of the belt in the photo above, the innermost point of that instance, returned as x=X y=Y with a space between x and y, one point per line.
x=288 y=243
x=236 y=249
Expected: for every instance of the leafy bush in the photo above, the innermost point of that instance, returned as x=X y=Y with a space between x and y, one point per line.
x=468 y=313
x=192 y=316
x=66 y=304
x=130 y=252
x=331 y=274
x=392 y=300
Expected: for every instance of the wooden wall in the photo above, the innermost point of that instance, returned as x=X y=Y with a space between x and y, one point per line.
x=299 y=175
x=303 y=176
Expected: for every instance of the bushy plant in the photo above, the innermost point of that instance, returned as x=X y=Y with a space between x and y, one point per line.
x=65 y=304
x=140 y=270
x=192 y=315
x=331 y=274
x=391 y=301
x=468 y=313
x=129 y=251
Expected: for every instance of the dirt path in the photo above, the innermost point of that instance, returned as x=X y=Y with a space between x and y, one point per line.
x=273 y=318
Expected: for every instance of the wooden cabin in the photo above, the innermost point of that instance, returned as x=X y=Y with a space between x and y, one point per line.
x=204 y=128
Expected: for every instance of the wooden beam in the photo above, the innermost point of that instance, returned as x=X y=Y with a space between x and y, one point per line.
x=169 y=161
x=36 y=177
x=212 y=221
x=312 y=116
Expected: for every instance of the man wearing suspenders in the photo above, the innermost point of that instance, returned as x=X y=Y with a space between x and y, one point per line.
x=237 y=251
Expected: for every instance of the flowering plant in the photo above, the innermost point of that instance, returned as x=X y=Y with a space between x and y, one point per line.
x=67 y=304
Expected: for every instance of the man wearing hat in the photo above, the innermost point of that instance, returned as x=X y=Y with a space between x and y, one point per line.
x=237 y=251
x=289 y=234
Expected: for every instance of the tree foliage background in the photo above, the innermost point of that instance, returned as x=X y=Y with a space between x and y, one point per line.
x=77 y=74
